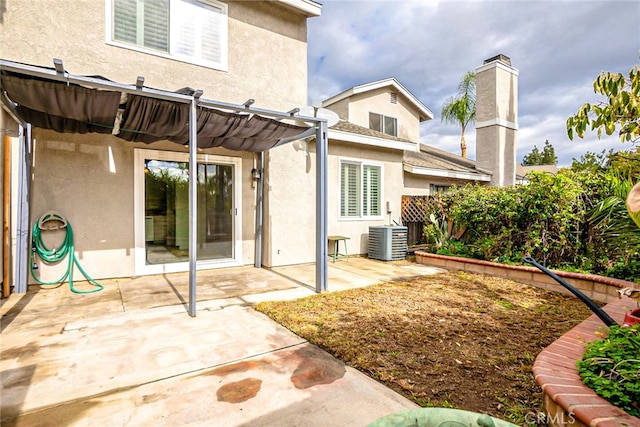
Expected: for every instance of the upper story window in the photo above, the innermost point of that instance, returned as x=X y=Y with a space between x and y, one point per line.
x=360 y=189
x=193 y=31
x=385 y=124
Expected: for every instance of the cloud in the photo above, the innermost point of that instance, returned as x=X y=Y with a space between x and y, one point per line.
x=558 y=47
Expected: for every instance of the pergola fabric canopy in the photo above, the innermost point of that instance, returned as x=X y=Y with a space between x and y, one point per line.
x=73 y=108
x=55 y=99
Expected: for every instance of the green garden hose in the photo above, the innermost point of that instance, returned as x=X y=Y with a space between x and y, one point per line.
x=53 y=256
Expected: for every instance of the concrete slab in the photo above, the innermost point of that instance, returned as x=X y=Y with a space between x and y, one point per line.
x=131 y=355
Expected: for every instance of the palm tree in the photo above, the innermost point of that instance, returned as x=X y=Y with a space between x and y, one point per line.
x=462 y=108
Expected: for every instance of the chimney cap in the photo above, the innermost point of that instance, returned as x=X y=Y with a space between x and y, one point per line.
x=502 y=58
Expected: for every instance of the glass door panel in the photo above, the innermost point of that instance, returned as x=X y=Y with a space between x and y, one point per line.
x=167 y=211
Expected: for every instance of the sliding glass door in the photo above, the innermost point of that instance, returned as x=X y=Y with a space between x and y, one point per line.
x=165 y=206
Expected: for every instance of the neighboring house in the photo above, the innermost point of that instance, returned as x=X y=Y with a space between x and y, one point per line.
x=375 y=154
x=125 y=198
x=522 y=171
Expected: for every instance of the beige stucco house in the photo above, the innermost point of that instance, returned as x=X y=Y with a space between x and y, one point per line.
x=376 y=157
x=122 y=182
x=126 y=199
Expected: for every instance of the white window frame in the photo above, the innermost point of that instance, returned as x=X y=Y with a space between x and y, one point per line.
x=361 y=164
x=141 y=267
x=383 y=125
x=222 y=65
x=438 y=189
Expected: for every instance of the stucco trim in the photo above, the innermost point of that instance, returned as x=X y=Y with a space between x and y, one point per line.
x=370 y=140
x=447 y=174
x=497 y=64
x=497 y=121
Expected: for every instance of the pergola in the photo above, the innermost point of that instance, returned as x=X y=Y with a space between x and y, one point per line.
x=52 y=98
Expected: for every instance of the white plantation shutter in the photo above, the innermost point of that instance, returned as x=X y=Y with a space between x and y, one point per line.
x=360 y=189
x=197 y=30
x=371 y=190
x=349 y=189
x=142 y=22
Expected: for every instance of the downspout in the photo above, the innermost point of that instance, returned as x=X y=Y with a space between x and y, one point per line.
x=6 y=218
x=23 y=229
x=259 y=209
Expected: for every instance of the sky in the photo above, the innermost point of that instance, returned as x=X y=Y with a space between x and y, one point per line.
x=558 y=48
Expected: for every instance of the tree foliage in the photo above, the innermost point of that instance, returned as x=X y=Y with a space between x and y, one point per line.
x=461 y=109
x=545 y=157
x=620 y=110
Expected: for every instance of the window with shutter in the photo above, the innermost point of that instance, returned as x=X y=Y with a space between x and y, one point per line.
x=371 y=193
x=193 y=31
x=360 y=189
x=350 y=177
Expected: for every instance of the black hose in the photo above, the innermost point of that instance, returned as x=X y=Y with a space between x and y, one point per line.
x=592 y=306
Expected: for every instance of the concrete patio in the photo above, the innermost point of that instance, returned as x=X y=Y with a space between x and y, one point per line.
x=131 y=355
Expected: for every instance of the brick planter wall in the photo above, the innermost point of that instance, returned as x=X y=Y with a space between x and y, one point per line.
x=567 y=401
x=598 y=288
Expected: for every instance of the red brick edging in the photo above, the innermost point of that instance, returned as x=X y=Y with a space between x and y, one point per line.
x=568 y=402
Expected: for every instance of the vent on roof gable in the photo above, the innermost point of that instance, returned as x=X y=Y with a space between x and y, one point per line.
x=393 y=98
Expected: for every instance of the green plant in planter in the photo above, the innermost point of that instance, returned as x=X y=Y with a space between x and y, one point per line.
x=611 y=367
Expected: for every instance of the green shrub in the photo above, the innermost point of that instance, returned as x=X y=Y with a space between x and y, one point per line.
x=611 y=367
x=575 y=220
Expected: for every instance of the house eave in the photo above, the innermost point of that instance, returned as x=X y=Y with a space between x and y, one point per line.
x=425 y=113
x=309 y=7
x=370 y=140
x=440 y=173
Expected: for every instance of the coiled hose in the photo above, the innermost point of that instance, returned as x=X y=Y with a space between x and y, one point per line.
x=54 y=256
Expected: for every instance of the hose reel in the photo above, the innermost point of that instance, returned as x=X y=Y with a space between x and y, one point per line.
x=51 y=221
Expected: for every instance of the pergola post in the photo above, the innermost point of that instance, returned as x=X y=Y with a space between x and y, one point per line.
x=259 y=210
x=321 y=206
x=193 y=205
x=23 y=229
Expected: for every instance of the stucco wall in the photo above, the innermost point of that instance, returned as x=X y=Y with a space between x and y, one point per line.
x=290 y=220
x=341 y=108
x=378 y=101
x=497 y=152
x=497 y=121
x=497 y=97
x=416 y=185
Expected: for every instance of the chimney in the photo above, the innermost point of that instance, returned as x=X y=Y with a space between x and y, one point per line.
x=497 y=119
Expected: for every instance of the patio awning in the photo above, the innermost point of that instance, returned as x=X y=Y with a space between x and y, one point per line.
x=54 y=99
x=74 y=108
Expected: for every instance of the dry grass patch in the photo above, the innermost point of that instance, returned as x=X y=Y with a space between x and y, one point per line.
x=455 y=339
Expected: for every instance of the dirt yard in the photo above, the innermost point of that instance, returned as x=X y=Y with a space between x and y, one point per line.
x=455 y=340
